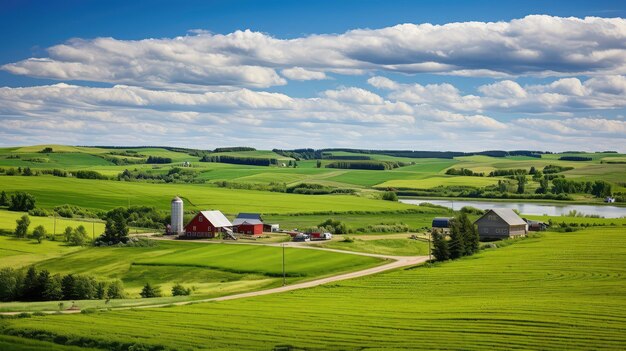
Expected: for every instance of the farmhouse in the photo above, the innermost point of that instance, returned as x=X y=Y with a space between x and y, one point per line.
x=248 y=223
x=442 y=224
x=208 y=224
x=500 y=223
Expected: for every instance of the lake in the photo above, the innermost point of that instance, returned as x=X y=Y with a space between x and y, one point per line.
x=528 y=208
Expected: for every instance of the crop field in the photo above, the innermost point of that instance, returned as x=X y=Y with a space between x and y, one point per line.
x=553 y=292
x=102 y=194
x=212 y=269
x=8 y=218
x=435 y=181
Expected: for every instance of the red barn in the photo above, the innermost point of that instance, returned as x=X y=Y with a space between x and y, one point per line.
x=248 y=223
x=207 y=224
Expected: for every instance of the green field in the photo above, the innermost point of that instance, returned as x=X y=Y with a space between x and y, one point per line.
x=388 y=246
x=554 y=292
x=102 y=194
x=211 y=269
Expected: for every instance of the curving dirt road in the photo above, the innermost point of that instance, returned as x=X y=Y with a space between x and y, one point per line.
x=397 y=262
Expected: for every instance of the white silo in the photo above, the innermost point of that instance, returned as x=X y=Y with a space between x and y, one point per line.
x=177 y=215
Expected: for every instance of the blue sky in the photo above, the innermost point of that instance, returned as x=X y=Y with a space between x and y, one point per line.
x=315 y=74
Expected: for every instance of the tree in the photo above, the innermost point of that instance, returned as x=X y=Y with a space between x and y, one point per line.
x=319 y=163
x=502 y=186
x=78 y=236
x=390 y=196
x=441 y=251
x=31 y=289
x=39 y=233
x=67 y=234
x=115 y=290
x=521 y=183
x=22 y=226
x=53 y=289
x=150 y=291
x=116 y=229
x=600 y=188
x=67 y=285
x=85 y=287
x=470 y=235
x=179 y=290
x=4 y=199
x=10 y=284
x=101 y=290
x=27 y=172
x=533 y=170
x=457 y=243
x=22 y=201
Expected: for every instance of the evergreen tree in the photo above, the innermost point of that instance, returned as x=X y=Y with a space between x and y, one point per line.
x=319 y=163
x=469 y=234
x=441 y=250
x=22 y=226
x=39 y=233
x=457 y=243
x=150 y=291
x=116 y=229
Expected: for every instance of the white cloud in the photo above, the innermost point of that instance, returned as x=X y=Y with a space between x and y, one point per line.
x=299 y=73
x=354 y=95
x=536 y=45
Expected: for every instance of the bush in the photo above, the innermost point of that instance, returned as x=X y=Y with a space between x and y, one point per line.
x=39 y=233
x=39 y=212
x=21 y=229
x=334 y=226
x=90 y=175
x=390 y=196
x=158 y=160
x=179 y=290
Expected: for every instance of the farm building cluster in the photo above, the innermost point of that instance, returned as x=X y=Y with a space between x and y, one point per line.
x=212 y=224
x=497 y=223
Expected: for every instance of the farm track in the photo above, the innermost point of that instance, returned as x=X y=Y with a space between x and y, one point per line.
x=397 y=262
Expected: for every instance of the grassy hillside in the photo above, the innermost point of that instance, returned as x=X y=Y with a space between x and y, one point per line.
x=559 y=291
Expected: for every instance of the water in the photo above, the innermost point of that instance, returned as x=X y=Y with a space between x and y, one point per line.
x=528 y=208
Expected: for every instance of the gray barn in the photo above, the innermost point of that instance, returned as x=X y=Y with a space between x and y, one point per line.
x=500 y=223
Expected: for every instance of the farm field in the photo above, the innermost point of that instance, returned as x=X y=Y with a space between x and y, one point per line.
x=554 y=292
x=388 y=246
x=211 y=269
x=103 y=194
x=8 y=218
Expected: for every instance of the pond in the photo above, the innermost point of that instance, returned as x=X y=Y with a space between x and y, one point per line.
x=528 y=208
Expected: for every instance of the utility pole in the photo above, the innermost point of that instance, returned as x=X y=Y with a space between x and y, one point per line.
x=430 y=250
x=284 y=277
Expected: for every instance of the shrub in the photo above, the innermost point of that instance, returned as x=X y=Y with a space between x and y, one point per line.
x=179 y=290
x=39 y=212
x=390 y=196
x=39 y=233
x=21 y=228
x=90 y=175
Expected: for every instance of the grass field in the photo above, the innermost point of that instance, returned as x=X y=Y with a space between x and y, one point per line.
x=211 y=269
x=8 y=218
x=554 y=292
x=395 y=247
x=101 y=194
x=435 y=181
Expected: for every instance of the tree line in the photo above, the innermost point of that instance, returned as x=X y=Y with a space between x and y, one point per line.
x=254 y=161
x=15 y=285
x=369 y=165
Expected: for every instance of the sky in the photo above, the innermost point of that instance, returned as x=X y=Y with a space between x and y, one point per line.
x=411 y=75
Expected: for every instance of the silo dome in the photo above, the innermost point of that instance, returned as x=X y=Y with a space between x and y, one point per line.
x=177 y=215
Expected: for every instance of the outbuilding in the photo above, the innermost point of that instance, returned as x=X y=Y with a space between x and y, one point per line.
x=248 y=223
x=442 y=224
x=500 y=223
x=208 y=224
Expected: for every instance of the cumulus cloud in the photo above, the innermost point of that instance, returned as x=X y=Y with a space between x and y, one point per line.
x=562 y=96
x=534 y=45
x=299 y=73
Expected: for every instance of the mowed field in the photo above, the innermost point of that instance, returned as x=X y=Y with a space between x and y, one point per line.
x=211 y=269
x=560 y=291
